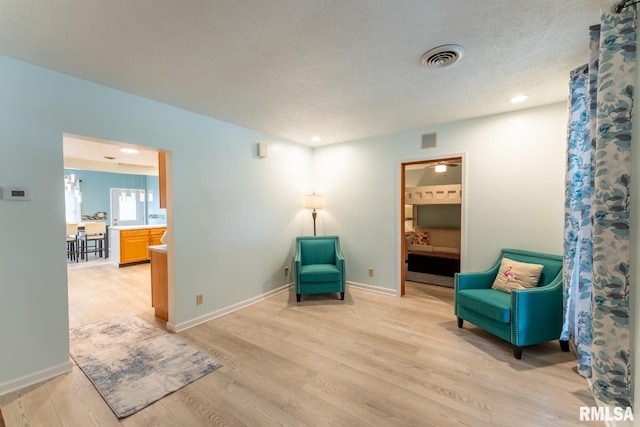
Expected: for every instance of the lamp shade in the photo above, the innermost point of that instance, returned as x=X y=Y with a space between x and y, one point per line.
x=313 y=201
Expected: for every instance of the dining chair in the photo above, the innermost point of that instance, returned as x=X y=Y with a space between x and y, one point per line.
x=72 y=242
x=93 y=238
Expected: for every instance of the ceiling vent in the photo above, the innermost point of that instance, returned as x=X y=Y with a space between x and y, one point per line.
x=442 y=56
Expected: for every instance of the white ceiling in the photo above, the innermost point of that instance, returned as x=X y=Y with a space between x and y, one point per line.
x=94 y=154
x=295 y=68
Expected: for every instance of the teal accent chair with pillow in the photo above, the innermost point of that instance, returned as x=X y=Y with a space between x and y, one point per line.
x=518 y=299
x=319 y=266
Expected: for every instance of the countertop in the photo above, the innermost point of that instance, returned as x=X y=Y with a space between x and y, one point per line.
x=136 y=227
x=158 y=248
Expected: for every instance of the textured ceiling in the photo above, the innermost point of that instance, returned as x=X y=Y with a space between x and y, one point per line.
x=295 y=68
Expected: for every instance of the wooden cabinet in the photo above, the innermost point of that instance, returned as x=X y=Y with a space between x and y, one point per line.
x=156 y=235
x=159 y=284
x=133 y=245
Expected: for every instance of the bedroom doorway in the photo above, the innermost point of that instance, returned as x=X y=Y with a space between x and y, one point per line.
x=431 y=220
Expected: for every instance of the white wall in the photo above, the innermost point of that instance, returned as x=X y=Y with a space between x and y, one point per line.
x=235 y=215
x=513 y=189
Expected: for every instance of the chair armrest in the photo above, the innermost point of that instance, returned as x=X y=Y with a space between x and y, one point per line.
x=478 y=280
x=537 y=313
x=340 y=263
x=297 y=263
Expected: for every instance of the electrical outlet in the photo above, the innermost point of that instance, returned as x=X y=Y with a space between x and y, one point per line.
x=198 y=299
x=371 y=272
x=286 y=271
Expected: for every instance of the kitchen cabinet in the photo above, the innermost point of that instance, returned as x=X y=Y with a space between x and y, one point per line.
x=156 y=235
x=130 y=245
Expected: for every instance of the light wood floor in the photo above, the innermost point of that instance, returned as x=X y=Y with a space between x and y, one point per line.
x=370 y=360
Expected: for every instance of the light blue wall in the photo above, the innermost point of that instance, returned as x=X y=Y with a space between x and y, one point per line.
x=235 y=215
x=513 y=189
x=95 y=187
x=155 y=215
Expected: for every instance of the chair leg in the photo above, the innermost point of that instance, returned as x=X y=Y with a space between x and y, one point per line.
x=564 y=345
x=460 y=322
x=517 y=352
x=342 y=296
x=298 y=297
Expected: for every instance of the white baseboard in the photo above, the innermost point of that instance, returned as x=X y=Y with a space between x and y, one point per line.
x=371 y=288
x=226 y=310
x=35 y=378
x=242 y=304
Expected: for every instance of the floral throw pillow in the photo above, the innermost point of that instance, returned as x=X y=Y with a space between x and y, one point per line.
x=420 y=238
x=516 y=275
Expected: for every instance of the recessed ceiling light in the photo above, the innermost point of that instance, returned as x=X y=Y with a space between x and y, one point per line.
x=315 y=138
x=519 y=98
x=129 y=150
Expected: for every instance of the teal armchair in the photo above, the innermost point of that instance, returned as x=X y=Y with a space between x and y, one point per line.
x=319 y=266
x=523 y=317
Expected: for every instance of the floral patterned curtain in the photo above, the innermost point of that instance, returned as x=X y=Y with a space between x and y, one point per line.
x=596 y=259
x=577 y=217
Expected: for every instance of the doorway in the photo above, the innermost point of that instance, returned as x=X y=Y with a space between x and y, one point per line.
x=143 y=202
x=431 y=224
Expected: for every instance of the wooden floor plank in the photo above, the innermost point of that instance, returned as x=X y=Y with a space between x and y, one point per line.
x=370 y=360
x=156 y=415
x=77 y=402
x=31 y=406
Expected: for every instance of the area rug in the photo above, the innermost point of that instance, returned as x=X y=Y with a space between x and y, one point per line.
x=133 y=363
x=432 y=279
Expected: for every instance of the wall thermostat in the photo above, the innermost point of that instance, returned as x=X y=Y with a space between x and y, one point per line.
x=16 y=193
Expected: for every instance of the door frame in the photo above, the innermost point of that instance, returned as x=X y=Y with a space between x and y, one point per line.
x=402 y=199
x=167 y=155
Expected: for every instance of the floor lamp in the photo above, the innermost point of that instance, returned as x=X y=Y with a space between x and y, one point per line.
x=313 y=201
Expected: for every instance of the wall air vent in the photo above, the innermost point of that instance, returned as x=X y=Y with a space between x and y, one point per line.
x=442 y=56
x=428 y=140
